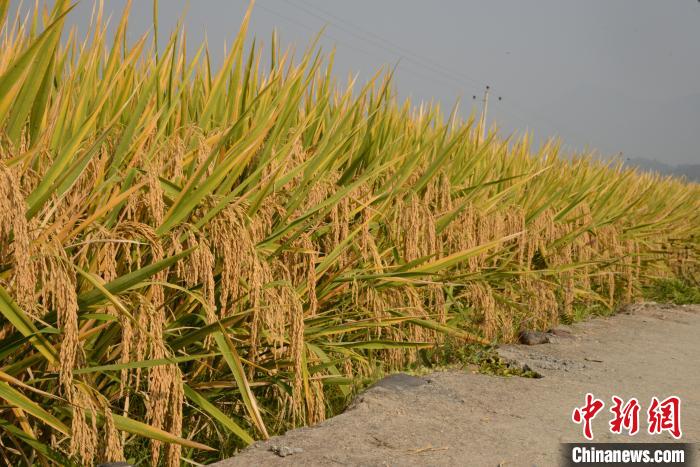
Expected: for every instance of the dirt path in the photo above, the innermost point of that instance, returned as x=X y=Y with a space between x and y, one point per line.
x=459 y=418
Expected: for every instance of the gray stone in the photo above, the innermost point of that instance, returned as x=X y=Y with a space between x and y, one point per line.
x=284 y=451
x=533 y=337
x=399 y=381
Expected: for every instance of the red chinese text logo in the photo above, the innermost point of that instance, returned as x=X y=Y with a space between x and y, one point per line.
x=626 y=417
x=665 y=416
x=662 y=416
x=587 y=413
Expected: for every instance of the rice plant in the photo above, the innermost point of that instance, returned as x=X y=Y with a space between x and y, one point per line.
x=192 y=259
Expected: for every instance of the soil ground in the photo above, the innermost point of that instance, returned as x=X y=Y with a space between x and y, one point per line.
x=462 y=418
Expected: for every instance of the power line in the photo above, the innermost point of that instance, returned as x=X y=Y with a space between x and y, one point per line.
x=420 y=63
x=383 y=42
x=427 y=63
x=346 y=44
x=416 y=65
x=404 y=53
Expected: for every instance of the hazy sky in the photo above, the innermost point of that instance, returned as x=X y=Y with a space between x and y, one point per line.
x=619 y=76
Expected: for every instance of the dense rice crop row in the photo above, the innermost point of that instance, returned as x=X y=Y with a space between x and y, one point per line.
x=190 y=257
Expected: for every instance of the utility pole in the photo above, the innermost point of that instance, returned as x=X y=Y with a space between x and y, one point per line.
x=481 y=130
x=484 y=109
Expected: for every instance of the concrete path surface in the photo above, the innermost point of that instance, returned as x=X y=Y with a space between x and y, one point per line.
x=462 y=418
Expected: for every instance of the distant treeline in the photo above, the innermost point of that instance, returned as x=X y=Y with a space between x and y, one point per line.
x=689 y=171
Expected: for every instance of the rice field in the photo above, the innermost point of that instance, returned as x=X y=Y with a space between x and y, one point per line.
x=192 y=259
